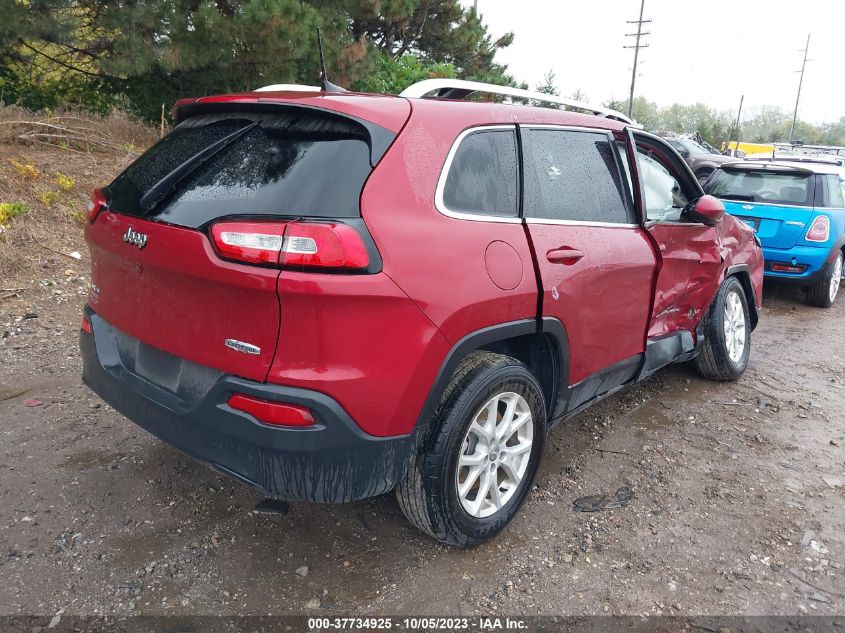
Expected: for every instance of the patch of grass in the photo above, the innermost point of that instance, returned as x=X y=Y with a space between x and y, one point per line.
x=26 y=171
x=9 y=210
x=64 y=183
x=49 y=198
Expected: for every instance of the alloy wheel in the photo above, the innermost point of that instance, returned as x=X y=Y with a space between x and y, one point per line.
x=735 y=327
x=837 y=277
x=495 y=453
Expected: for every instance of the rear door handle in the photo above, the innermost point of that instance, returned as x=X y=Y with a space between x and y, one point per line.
x=564 y=255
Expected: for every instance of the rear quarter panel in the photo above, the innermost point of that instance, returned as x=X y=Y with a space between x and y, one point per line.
x=439 y=260
x=737 y=247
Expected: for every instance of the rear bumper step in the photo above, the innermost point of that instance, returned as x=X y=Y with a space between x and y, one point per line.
x=333 y=461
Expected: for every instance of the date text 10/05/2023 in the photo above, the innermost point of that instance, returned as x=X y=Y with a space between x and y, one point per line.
x=418 y=624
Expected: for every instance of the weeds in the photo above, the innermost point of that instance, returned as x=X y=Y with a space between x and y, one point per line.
x=48 y=198
x=27 y=172
x=9 y=210
x=64 y=183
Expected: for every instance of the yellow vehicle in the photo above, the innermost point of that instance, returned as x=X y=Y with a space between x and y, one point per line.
x=749 y=149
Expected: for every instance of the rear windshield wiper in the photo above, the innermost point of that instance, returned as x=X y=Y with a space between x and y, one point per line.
x=165 y=186
x=738 y=196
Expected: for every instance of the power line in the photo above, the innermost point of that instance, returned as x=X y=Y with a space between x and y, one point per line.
x=637 y=46
x=800 y=83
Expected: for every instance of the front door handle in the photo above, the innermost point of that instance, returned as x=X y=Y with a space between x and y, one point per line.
x=564 y=255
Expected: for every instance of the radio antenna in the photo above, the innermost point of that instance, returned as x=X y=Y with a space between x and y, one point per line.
x=324 y=78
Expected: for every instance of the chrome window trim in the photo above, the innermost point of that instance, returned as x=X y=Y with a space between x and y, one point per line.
x=567 y=128
x=609 y=225
x=440 y=205
x=651 y=223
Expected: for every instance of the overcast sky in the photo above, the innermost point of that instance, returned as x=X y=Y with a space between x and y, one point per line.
x=711 y=51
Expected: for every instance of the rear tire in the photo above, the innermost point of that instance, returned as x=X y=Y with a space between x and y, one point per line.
x=443 y=492
x=727 y=334
x=823 y=294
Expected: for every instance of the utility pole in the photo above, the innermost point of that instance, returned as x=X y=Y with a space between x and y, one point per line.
x=736 y=128
x=639 y=34
x=800 y=83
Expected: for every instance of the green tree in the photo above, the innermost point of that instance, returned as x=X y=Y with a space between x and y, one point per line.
x=438 y=31
x=393 y=74
x=548 y=86
x=148 y=53
x=644 y=112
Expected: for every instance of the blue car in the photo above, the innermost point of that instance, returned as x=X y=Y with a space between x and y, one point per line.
x=797 y=211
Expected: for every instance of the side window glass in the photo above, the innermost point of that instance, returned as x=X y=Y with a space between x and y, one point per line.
x=573 y=175
x=664 y=196
x=835 y=197
x=483 y=175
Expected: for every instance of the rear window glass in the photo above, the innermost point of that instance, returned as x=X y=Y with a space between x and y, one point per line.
x=296 y=163
x=483 y=176
x=573 y=176
x=764 y=187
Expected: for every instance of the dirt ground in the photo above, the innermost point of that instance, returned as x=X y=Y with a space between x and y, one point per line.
x=737 y=508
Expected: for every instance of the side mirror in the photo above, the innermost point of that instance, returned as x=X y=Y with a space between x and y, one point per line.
x=683 y=151
x=707 y=210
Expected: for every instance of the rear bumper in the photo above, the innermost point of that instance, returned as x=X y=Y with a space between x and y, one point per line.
x=332 y=461
x=813 y=257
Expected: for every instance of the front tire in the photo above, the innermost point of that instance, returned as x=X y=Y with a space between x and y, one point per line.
x=727 y=334
x=474 y=469
x=823 y=294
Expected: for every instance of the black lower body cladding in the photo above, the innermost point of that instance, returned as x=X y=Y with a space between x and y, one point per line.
x=333 y=461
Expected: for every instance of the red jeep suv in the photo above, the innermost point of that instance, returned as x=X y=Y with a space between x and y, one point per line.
x=329 y=296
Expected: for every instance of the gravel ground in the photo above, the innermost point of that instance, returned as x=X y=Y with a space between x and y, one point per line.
x=737 y=502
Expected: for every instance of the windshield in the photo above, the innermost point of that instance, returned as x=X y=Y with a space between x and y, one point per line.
x=691 y=146
x=762 y=186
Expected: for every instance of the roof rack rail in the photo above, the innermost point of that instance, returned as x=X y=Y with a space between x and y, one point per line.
x=459 y=89
x=288 y=88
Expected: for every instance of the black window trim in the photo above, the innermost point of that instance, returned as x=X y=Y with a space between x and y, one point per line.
x=439 y=203
x=631 y=211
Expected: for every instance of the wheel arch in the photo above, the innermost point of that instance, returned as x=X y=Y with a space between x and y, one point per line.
x=541 y=344
x=743 y=274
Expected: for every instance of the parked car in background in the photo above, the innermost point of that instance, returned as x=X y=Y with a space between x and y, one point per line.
x=797 y=210
x=702 y=160
x=331 y=296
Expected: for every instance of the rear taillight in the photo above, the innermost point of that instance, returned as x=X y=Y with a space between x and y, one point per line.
x=269 y=412
x=819 y=230
x=86 y=325
x=327 y=246
x=249 y=242
x=97 y=203
x=323 y=246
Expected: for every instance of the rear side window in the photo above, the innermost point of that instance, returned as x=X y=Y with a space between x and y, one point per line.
x=573 y=175
x=772 y=187
x=834 y=192
x=296 y=163
x=483 y=176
